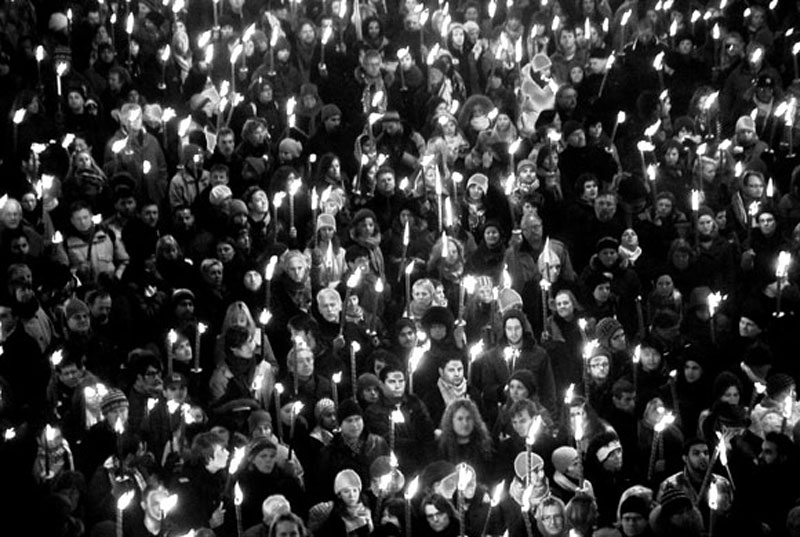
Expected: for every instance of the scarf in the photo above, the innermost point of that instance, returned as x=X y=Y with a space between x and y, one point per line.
x=568 y=484
x=353 y=522
x=450 y=392
x=631 y=255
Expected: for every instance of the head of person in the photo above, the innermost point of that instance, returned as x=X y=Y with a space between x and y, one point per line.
x=550 y=516
x=351 y=419
x=438 y=512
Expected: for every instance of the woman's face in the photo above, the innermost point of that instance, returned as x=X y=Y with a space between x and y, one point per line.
x=225 y=252
x=422 y=295
x=564 y=306
x=307 y=34
x=664 y=285
x=458 y=37
x=680 y=260
x=590 y=190
x=214 y=274
x=83 y=161
x=576 y=77
x=630 y=239
x=671 y=156
x=350 y=496
x=374 y=29
x=503 y=122
x=370 y=394
x=437 y=520
x=366 y=228
x=692 y=371
x=475 y=192
x=28 y=201
x=491 y=235
x=449 y=128
x=265 y=460
x=75 y=102
x=767 y=224
x=265 y=96
x=517 y=390
x=326 y=233
x=463 y=423
x=296 y=269
x=335 y=169
x=731 y=396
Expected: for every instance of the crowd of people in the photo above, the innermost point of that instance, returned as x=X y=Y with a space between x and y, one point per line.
x=525 y=268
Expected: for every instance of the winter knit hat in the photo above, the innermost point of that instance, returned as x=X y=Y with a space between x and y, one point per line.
x=635 y=504
x=113 y=400
x=569 y=127
x=326 y=220
x=673 y=501
x=366 y=381
x=508 y=299
x=563 y=457
x=328 y=111
x=540 y=61
x=74 y=307
x=777 y=383
x=525 y=163
x=480 y=180
x=598 y=278
x=348 y=408
x=291 y=146
x=237 y=207
x=606 y=243
x=605 y=329
x=745 y=123
x=521 y=464
x=322 y=406
x=346 y=479
x=219 y=194
x=527 y=379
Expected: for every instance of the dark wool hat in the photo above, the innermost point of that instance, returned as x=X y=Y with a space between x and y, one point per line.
x=367 y=380
x=598 y=278
x=182 y=294
x=113 y=400
x=348 y=408
x=635 y=504
x=362 y=214
x=605 y=329
x=777 y=383
x=725 y=380
x=527 y=379
x=436 y=471
x=438 y=315
x=756 y=313
x=328 y=111
x=569 y=127
x=74 y=307
x=673 y=501
x=606 y=242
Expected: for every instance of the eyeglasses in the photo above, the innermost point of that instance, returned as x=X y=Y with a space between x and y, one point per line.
x=151 y=373
x=434 y=516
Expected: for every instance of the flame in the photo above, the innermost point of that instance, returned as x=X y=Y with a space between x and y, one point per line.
x=125 y=500
x=129 y=24
x=354 y=278
x=464 y=477
x=236 y=52
x=270 y=270
x=497 y=493
x=39 y=53
x=238 y=495
x=19 y=116
x=9 y=434
x=49 y=433
x=173 y=406
x=119 y=427
x=569 y=394
x=665 y=421
x=119 y=145
x=236 y=459
x=713 y=495
x=652 y=129
x=168 y=115
x=788 y=406
x=168 y=503
x=695 y=200
x=658 y=61
x=637 y=354
x=415 y=358
x=327 y=32
x=57 y=357
x=526 y=498
x=151 y=403
x=264 y=317
x=297 y=407
x=533 y=430
x=379 y=286
x=412 y=489
x=476 y=350
x=385 y=481
x=201 y=328
x=784 y=260
x=336 y=378
x=278 y=388
x=626 y=17
x=183 y=126
x=644 y=146
x=248 y=33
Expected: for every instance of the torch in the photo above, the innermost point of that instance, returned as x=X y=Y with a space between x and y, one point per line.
x=336 y=378
x=172 y=339
x=238 y=498
x=413 y=361
x=276 y=395
x=355 y=347
x=474 y=352
x=411 y=491
x=530 y=439
x=269 y=273
x=297 y=406
x=617 y=122
x=657 y=445
x=497 y=495
x=201 y=329
x=122 y=503
x=395 y=418
x=713 y=505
